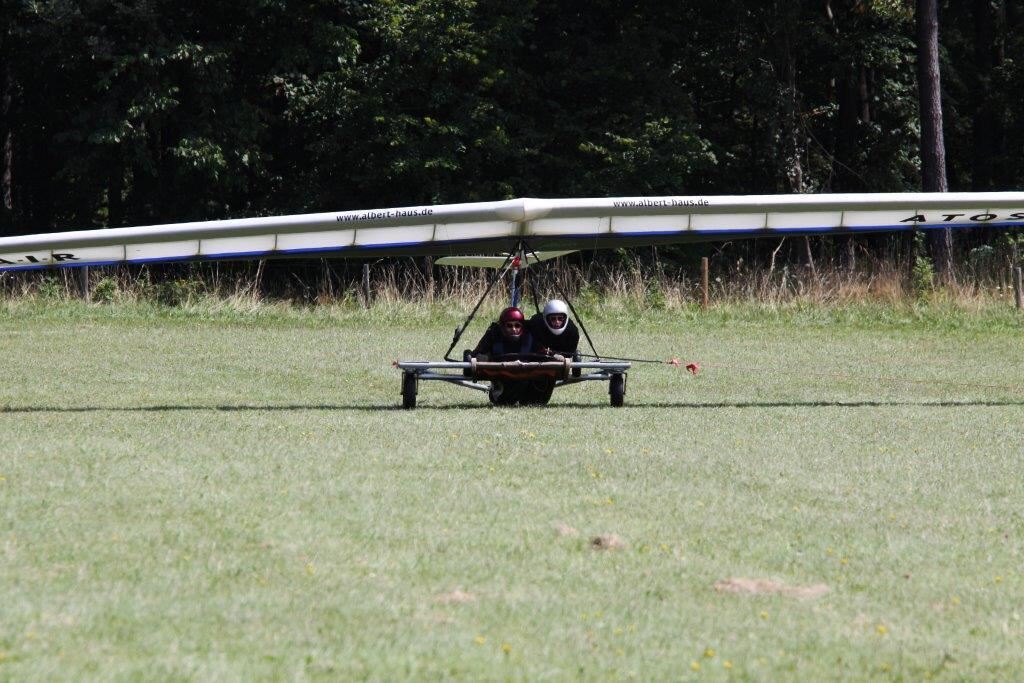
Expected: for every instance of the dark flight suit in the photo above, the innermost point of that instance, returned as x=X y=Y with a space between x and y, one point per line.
x=494 y=345
x=565 y=344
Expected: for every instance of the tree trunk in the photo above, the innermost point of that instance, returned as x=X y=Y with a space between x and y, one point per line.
x=794 y=162
x=7 y=178
x=933 y=148
x=985 y=122
x=115 y=192
x=847 y=137
x=785 y=17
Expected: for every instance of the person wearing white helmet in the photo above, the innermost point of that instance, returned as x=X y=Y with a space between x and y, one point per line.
x=554 y=333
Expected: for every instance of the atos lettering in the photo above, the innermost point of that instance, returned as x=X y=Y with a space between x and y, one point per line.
x=975 y=218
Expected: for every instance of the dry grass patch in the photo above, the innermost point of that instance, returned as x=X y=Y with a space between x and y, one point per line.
x=769 y=587
x=566 y=530
x=455 y=597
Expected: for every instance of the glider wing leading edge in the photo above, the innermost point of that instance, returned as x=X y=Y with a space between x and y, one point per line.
x=544 y=224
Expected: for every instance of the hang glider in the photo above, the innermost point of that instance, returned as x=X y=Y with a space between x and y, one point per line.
x=546 y=224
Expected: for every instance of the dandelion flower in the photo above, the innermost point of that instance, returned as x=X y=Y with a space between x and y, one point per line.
x=506 y=648
x=695 y=665
x=882 y=630
x=727 y=664
x=479 y=640
x=709 y=653
x=763 y=615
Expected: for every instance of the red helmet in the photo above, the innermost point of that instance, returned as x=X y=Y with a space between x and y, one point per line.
x=512 y=322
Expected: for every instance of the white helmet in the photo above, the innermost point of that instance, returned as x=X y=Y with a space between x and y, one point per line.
x=556 y=307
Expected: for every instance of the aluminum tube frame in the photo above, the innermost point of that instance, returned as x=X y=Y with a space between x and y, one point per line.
x=594 y=376
x=452 y=379
x=419 y=366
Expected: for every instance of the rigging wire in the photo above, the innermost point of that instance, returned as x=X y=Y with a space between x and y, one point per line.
x=695 y=367
x=572 y=308
x=462 y=328
x=866 y=378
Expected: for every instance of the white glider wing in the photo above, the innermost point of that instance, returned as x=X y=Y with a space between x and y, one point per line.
x=543 y=224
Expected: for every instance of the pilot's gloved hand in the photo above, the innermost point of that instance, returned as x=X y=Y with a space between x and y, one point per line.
x=559 y=357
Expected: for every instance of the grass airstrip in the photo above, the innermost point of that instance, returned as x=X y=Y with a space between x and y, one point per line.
x=225 y=494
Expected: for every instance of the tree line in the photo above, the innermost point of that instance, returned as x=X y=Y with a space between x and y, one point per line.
x=127 y=113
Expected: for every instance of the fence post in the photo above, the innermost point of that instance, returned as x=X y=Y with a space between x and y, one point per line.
x=428 y=272
x=704 y=282
x=83 y=283
x=366 y=285
x=1018 y=288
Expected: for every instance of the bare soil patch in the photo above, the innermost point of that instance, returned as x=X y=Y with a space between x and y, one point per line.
x=607 y=542
x=746 y=586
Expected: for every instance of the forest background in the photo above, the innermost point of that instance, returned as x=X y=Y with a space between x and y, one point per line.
x=133 y=113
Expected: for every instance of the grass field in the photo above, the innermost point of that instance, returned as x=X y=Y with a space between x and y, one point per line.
x=229 y=495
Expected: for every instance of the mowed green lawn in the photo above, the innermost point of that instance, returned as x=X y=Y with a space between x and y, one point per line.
x=237 y=495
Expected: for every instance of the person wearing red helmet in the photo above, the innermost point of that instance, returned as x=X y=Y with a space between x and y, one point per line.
x=507 y=335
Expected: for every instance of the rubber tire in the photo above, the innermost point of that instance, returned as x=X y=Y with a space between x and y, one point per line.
x=408 y=390
x=537 y=393
x=617 y=389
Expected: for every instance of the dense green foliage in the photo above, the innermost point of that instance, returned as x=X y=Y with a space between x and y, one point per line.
x=127 y=113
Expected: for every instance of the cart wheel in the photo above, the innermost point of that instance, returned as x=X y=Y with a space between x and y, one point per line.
x=495 y=393
x=617 y=389
x=409 y=390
